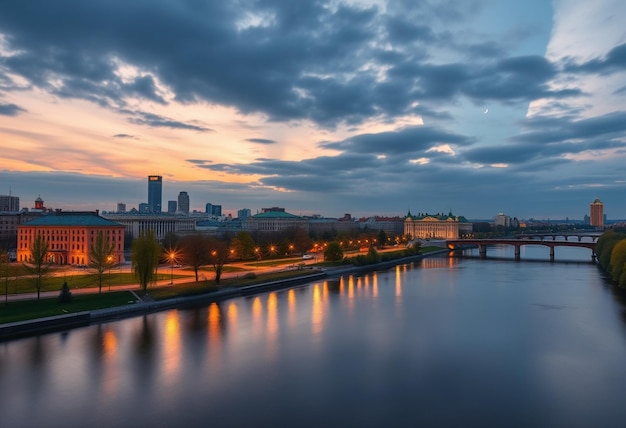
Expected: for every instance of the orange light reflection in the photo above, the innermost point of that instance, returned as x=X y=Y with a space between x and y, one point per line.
x=171 y=347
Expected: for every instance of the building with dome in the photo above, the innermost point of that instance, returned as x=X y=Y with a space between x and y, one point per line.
x=436 y=226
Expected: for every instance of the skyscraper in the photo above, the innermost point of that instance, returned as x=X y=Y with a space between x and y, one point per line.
x=171 y=207
x=183 y=202
x=155 y=190
x=9 y=203
x=597 y=213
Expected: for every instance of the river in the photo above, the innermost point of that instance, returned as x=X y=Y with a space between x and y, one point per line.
x=441 y=342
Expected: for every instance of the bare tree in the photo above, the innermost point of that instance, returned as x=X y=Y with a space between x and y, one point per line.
x=218 y=256
x=195 y=251
x=39 y=266
x=101 y=257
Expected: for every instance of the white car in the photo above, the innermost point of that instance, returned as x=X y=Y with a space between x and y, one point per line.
x=307 y=256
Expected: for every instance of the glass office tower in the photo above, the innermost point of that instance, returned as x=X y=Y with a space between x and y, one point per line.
x=155 y=190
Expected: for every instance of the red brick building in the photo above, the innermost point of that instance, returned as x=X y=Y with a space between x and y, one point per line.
x=69 y=236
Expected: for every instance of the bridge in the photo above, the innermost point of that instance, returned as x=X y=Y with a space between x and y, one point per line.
x=482 y=244
x=565 y=235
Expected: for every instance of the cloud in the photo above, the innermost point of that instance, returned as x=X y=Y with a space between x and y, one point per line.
x=157 y=121
x=310 y=62
x=260 y=141
x=553 y=137
x=123 y=136
x=10 y=109
x=408 y=141
x=615 y=60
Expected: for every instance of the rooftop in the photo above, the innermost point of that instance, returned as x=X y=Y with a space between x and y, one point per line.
x=72 y=218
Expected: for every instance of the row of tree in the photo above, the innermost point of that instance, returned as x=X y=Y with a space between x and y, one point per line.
x=611 y=254
x=198 y=250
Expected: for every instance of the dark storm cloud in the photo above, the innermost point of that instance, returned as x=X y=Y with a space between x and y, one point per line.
x=157 y=121
x=384 y=157
x=10 y=109
x=615 y=60
x=553 y=137
x=260 y=141
x=407 y=141
x=549 y=130
x=288 y=60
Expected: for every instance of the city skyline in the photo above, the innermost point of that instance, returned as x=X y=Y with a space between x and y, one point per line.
x=368 y=107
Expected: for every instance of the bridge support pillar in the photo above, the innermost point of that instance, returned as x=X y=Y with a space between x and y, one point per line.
x=517 y=253
x=482 y=251
x=551 y=254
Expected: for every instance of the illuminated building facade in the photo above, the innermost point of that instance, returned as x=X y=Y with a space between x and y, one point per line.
x=155 y=193
x=437 y=226
x=597 y=213
x=70 y=236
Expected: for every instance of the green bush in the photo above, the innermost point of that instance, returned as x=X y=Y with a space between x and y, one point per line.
x=66 y=295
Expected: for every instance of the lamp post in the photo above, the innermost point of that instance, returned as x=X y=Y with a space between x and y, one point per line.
x=109 y=260
x=172 y=257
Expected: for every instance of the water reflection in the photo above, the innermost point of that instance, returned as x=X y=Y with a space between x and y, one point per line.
x=291 y=304
x=444 y=342
x=272 y=324
x=171 y=351
x=317 y=312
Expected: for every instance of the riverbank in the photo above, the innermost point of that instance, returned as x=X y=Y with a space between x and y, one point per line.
x=14 y=330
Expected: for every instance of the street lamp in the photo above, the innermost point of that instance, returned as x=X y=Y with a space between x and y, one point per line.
x=109 y=260
x=172 y=257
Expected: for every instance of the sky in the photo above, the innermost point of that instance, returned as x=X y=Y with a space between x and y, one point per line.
x=366 y=107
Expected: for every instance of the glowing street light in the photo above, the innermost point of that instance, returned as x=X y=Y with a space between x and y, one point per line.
x=172 y=258
x=109 y=260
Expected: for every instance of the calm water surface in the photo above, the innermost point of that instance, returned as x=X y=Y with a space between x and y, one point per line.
x=443 y=342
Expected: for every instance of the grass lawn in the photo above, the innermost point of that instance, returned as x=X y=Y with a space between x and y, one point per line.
x=191 y=288
x=277 y=262
x=31 y=309
x=54 y=283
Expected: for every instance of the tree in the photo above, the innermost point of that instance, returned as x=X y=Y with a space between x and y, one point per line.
x=195 y=251
x=333 y=252
x=145 y=258
x=382 y=238
x=618 y=259
x=101 y=257
x=604 y=248
x=372 y=256
x=39 y=266
x=218 y=256
x=66 y=295
x=243 y=244
x=4 y=262
x=301 y=241
x=170 y=241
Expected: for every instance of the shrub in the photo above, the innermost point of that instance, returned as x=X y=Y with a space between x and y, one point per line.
x=66 y=295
